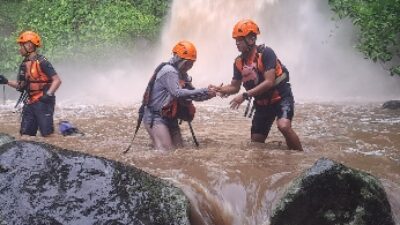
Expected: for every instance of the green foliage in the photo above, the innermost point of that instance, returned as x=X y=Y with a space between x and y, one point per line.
x=9 y=12
x=379 y=23
x=75 y=28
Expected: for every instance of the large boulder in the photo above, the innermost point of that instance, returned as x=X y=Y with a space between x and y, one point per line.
x=330 y=193
x=392 y=104
x=5 y=138
x=42 y=184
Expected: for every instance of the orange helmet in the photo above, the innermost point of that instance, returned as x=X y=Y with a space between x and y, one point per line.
x=185 y=50
x=29 y=36
x=245 y=27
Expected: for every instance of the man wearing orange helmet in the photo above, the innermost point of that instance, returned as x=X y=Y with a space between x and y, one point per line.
x=266 y=80
x=168 y=97
x=38 y=79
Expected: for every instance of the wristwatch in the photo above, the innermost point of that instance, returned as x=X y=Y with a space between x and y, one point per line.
x=246 y=96
x=49 y=93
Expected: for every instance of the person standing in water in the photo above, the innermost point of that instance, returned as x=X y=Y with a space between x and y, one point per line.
x=168 y=97
x=266 y=80
x=38 y=79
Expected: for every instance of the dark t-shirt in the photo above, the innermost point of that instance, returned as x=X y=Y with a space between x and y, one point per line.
x=46 y=66
x=268 y=58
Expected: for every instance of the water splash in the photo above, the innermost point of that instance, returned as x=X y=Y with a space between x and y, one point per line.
x=317 y=50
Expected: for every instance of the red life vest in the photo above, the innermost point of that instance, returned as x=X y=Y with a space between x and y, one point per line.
x=37 y=80
x=252 y=71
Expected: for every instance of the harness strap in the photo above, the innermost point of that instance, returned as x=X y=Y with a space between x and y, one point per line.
x=152 y=120
x=193 y=136
x=253 y=107
x=246 y=111
x=138 y=123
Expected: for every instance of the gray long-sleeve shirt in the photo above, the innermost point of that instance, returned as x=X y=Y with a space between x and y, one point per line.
x=166 y=88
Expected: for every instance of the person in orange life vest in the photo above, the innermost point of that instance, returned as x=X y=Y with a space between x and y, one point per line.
x=266 y=80
x=39 y=79
x=169 y=86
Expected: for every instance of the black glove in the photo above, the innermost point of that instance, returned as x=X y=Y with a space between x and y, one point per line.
x=3 y=80
x=47 y=98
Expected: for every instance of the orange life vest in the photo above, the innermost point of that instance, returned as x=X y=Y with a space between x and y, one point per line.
x=37 y=81
x=253 y=78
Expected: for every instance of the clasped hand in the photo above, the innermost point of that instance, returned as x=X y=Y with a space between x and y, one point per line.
x=211 y=93
x=3 y=79
x=218 y=90
x=235 y=103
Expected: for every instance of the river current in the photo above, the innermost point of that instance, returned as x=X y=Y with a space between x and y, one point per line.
x=228 y=179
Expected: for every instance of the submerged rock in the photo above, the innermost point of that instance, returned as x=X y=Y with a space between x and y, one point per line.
x=330 y=193
x=392 y=104
x=5 y=138
x=42 y=184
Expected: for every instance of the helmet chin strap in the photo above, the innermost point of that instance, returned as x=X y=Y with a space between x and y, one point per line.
x=248 y=46
x=26 y=50
x=181 y=63
x=178 y=62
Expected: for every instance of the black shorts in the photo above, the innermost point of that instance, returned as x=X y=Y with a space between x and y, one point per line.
x=264 y=116
x=36 y=116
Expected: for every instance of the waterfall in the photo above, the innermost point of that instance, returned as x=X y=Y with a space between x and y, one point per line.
x=318 y=51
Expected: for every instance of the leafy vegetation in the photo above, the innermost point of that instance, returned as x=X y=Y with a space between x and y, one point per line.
x=379 y=24
x=77 y=28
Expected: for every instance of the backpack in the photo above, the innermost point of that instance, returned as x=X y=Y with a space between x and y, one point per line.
x=66 y=128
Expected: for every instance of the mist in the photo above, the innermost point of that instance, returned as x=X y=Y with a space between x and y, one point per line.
x=318 y=51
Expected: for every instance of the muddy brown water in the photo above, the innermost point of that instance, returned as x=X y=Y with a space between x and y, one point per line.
x=228 y=179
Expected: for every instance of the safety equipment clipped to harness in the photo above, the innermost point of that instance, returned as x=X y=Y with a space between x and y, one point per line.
x=67 y=129
x=183 y=110
x=186 y=111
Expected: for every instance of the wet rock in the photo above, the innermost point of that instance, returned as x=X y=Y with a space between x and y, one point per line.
x=392 y=104
x=42 y=184
x=330 y=193
x=5 y=138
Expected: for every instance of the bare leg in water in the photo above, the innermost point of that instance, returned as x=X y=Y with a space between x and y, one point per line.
x=160 y=135
x=285 y=127
x=165 y=138
x=176 y=137
x=292 y=140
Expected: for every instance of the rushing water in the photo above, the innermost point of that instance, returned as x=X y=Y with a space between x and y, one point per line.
x=228 y=179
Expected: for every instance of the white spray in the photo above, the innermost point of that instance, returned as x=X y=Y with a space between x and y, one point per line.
x=318 y=51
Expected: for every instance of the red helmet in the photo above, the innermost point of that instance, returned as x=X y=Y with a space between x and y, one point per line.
x=245 y=27
x=185 y=50
x=29 y=36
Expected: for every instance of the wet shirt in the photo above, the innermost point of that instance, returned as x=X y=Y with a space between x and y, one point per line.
x=46 y=66
x=166 y=88
x=38 y=73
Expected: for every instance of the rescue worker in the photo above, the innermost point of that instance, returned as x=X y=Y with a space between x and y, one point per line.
x=38 y=79
x=169 y=89
x=266 y=80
